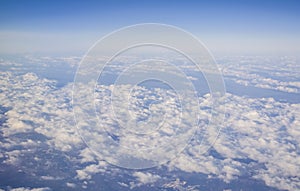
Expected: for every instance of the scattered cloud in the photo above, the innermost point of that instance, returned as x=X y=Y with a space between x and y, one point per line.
x=260 y=137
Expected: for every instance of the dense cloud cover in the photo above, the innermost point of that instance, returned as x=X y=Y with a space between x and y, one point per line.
x=259 y=138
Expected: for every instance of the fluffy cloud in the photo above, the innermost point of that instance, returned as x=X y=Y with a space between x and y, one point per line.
x=281 y=74
x=35 y=108
x=88 y=171
x=144 y=178
x=260 y=131
x=259 y=138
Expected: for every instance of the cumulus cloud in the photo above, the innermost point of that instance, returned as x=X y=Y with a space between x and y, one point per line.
x=88 y=171
x=281 y=74
x=144 y=178
x=179 y=185
x=36 y=109
x=266 y=136
x=259 y=138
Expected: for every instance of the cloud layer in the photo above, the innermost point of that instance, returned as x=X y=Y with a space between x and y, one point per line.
x=260 y=137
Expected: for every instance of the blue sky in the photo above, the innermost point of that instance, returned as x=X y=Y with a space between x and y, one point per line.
x=228 y=27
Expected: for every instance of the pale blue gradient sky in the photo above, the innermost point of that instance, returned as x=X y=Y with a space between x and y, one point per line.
x=225 y=27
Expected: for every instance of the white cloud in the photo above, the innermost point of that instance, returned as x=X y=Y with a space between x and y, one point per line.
x=30 y=189
x=261 y=131
x=144 y=178
x=71 y=185
x=88 y=171
x=280 y=74
x=266 y=136
x=180 y=185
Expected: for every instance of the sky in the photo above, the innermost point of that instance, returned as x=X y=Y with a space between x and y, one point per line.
x=225 y=27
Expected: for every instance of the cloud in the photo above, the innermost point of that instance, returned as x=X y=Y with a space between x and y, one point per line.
x=71 y=185
x=180 y=185
x=88 y=171
x=144 y=178
x=35 y=108
x=31 y=189
x=281 y=74
x=259 y=138
x=266 y=136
